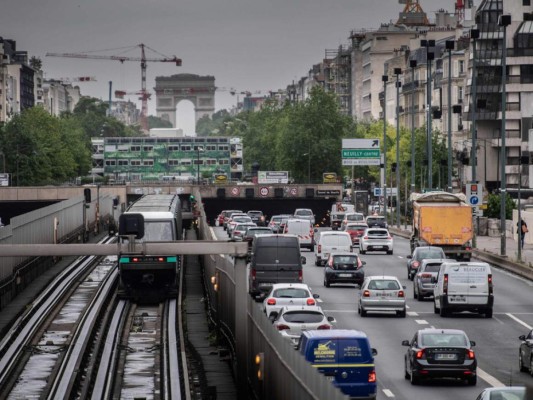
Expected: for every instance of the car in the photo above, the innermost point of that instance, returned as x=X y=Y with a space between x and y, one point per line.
x=237 y=233
x=252 y=232
x=382 y=293
x=356 y=230
x=227 y=215
x=329 y=242
x=440 y=353
x=336 y=220
x=425 y=278
x=288 y=294
x=274 y=223
x=525 y=353
x=291 y=321
x=283 y=222
x=420 y=253
x=505 y=393
x=301 y=228
x=376 y=239
x=344 y=267
x=376 y=221
x=219 y=220
x=352 y=217
x=234 y=220
x=257 y=217
x=305 y=213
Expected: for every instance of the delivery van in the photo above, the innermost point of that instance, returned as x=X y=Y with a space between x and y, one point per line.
x=331 y=241
x=274 y=259
x=303 y=229
x=345 y=356
x=464 y=286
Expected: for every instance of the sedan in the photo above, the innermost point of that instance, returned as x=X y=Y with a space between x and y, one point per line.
x=238 y=232
x=424 y=280
x=356 y=230
x=505 y=393
x=288 y=294
x=291 y=321
x=440 y=353
x=382 y=293
x=376 y=239
x=239 y=219
x=344 y=268
x=525 y=354
x=419 y=254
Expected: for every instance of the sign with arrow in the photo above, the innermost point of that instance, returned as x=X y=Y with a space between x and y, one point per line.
x=361 y=152
x=360 y=143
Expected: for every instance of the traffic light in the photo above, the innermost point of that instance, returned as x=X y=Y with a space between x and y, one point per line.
x=115 y=202
x=260 y=365
x=87 y=194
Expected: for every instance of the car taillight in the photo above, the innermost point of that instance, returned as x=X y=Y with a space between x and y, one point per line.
x=445 y=284
x=271 y=302
x=425 y=275
x=311 y=302
x=359 y=263
x=470 y=354
x=253 y=272
x=330 y=263
x=366 y=293
x=325 y=326
x=282 y=327
x=372 y=376
x=491 y=288
x=366 y=237
x=319 y=248
x=420 y=354
x=389 y=237
x=415 y=264
x=401 y=293
x=300 y=275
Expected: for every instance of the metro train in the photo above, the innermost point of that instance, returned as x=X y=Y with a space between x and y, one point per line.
x=152 y=278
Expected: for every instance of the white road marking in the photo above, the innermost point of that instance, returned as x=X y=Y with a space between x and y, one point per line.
x=341 y=311
x=519 y=321
x=489 y=378
x=320 y=300
x=412 y=313
x=388 y=393
x=421 y=322
x=400 y=257
x=215 y=237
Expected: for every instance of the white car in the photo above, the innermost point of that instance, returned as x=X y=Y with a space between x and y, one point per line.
x=376 y=239
x=291 y=321
x=238 y=232
x=382 y=293
x=234 y=221
x=288 y=294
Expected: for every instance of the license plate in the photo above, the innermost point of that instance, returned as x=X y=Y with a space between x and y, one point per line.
x=345 y=275
x=445 y=357
x=457 y=299
x=265 y=284
x=377 y=247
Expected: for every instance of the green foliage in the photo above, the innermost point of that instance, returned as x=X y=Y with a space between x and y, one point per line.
x=156 y=122
x=494 y=206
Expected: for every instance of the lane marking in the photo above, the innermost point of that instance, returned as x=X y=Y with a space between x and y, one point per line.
x=489 y=378
x=412 y=313
x=519 y=321
x=388 y=393
x=342 y=311
x=319 y=300
x=421 y=322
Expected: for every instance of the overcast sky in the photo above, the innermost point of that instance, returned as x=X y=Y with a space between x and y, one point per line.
x=249 y=45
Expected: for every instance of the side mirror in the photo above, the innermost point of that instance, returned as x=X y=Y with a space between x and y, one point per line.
x=433 y=279
x=472 y=343
x=332 y=320
x=405 y=343
x=374 y=352
x=303 y=260
x=316 y=296
x=364 y=262
x=409 y=256
x=522 y=337
x=405 y=287
x=273 y=315
x=315 y=230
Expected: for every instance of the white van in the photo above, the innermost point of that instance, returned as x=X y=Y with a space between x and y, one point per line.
x=464 y=286
x=301 y=228
x=329 y=242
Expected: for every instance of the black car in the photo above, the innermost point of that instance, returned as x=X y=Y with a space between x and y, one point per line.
x=376 y=221
x=344 y=267
x=257 y=217
x=525 y=354
x=419 y=254
x=440 y=353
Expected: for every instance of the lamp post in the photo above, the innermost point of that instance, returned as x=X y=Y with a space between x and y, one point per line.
x=398 y=72
x=504 y=21
x=450 y=44
x=198 y=150
x=3 y=161
x=384 y=79
x=412 y=64
x=430 y=55
x=474 y=34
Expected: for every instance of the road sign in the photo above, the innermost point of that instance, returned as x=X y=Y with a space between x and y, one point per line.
x=263 y=191
x=360 y=153
x=474 y=193
x=273 y=177
x=235 y=191
x=361 y=161
x=360 y=143
x=294 y=191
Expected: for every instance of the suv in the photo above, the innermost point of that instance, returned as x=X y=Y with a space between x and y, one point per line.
x=305 y=213
x=419 y=254
x=376 y=221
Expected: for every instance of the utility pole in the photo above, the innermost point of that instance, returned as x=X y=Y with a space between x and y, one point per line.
x=384 y=79
x=398 y=72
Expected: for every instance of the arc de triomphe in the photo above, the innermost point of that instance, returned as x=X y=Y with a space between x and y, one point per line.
x=170 y=90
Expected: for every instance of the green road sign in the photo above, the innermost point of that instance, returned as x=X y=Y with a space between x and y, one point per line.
x=360 y=153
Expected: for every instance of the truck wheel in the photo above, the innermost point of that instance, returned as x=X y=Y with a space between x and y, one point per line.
x=488 y=313
x=435 y=309
x=443 y=312
x=415 y=295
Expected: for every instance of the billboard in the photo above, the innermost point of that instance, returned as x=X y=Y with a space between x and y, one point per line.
x=265 y=177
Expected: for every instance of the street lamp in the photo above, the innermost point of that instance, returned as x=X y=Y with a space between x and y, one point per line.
x=474 y=34
x=430 y=55
x=398 y=72
x=198 y=150
x=450 y=44
x=412 y=64
x=504 y=21
x=3 y=161
x=384 y=79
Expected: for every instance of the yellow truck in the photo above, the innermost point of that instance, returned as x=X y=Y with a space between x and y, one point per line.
x=442 y=219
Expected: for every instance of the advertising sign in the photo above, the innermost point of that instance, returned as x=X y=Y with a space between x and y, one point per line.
x=265 y=177
x=4 y=179
x=329 y=177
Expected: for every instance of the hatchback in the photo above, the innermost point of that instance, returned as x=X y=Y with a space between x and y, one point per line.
x=425 y=278
x=238 y=232
x=440 y=353
x=288 y=294
x=234 y=221
x=505 y=393
x=525 y=354
x=253 y=231
x=376 y=221
x=344 y=267
x=420 y=253
x=257 y=217
x=305 y=213
x=291 y=321
x=376 y=239
x=382 y=293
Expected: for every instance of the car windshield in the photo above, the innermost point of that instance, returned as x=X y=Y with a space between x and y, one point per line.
x=255 y=232
x=291 y=293
x=303 y=213
x=307 y=317
x=383 y=284
x=354 y=227
x=241 y=219
x=373 y=220
x=255 y=213
x=432 y=268
x=345 y=262
x=443 y=339
x=431 y=253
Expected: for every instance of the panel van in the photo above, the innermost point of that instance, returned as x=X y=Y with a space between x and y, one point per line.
x=464 y=286
x=303 y=229
x=330 y=241
x=274 y=259
x=345 y=357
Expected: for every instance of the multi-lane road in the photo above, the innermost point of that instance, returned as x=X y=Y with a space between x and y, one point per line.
x=496 y=338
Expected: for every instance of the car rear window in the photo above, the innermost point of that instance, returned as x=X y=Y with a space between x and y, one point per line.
x=443 y=339
x=276 y=255
x=255 y=232
x=353 y=351
x=291 y=293
x=383 y=284
x=432 y=268
x=432 y=253
x=345 y=262
x=303 y=212
x=378 y=232
x=255 y=213
x=308 y=317
x=355 y=217
x=356 y=227
x=335 y=240
x=372 y=220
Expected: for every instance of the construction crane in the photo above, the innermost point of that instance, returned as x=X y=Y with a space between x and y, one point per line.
x=412 y=14
x=144 y=95
x=77 y=79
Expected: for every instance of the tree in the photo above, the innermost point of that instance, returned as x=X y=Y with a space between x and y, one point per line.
x=494 y=206
x=156 y=122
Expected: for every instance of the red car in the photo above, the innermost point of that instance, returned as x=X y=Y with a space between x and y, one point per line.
x=356 y=230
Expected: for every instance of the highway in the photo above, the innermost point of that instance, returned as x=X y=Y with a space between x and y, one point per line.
x=496 y=338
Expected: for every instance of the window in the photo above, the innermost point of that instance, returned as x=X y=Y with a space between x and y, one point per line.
x=136 y=163
x=210 y=147
x=185 y=147
x=173 y=162
x=135 y=148
x=123 y=162
x=223 y=147
x=461 y=64
x=186 y=162
x=460 y=94
x=526 y=2
x=223 y=162
x=148 y=148
x=110 y=163
x=148 y=163
x=173 y=148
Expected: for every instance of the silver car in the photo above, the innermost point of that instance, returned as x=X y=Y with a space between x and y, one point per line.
x=382 y=293
x=376 y=239
x=425 y=278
